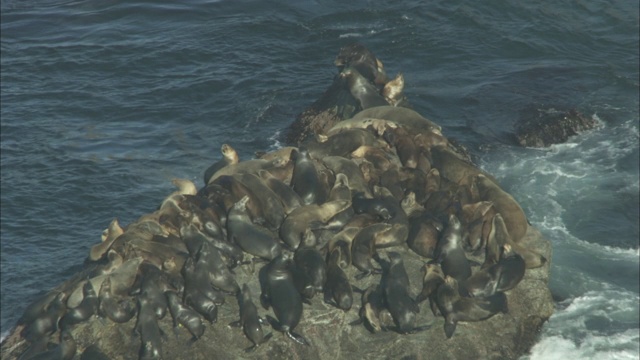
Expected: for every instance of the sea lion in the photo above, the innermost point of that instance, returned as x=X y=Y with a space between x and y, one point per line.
x=339 y=165
x=373 y=312
x=377 y=125
x=209 y=260
x=109 y=235
x=229 y=157
x=450 y=253
x=500 y=277
x=432 y=277
x=92 y=352
x=337 y=289
x=406 y=148
x=379 y=207
x=500 y=236
x=343 y=240
x=310 y=262
x=279 y=292
x=423 y=234
x=118 y=310
x=305 y=180
x=148 y=329
x=458 y=308
x=396 y=291
x=252 y=238
x=505 y=204
x=194 y=237
x=65 y=350
x=402 y=116
x=46 y=323
x=341 y=143
x=276 y=166
x=184 y=315
x=289 y=198
x=309 y=216
x=361 y=89
x=199 y=294
x=359 y=57
x=381 y=159
x=268 y=201
x=363 y=249
x=249 y=319
x=392 y=91
x=82 y=312
x=152 y=286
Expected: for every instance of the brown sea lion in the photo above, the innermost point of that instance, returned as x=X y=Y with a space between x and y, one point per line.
x=229 y=157
x=505 y=204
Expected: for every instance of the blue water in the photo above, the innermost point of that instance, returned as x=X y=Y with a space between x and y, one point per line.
x=103 y=103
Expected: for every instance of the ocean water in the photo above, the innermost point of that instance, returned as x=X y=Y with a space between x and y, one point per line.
x=103 y=103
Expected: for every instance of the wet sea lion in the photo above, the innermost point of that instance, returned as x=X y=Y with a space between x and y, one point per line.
x=309 y=216
x=289 y=198
x=505 y=204
x=500 y=277
x=361 y=89
x=82 y=312
x=311 y=262
x=209 y=260
x=252 y=238
x=199 y=294
x=249 y=319
x=359 y=57
x=229 y=157
x=65 y=350
x=268 y=201
x=396 y=291
x=280 y=293
x=450 y=253
x=184 y=315
x=458 y=308
x=46 y=323
x=148 y=329
x=118 y=310
x=501 y=237
x=337 y=290
x=305 y=180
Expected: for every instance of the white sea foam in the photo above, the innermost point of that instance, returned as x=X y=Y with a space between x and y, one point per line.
x=619 y=347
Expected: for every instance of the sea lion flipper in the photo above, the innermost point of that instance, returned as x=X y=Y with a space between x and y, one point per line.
x=449 y=327
x=298 y=338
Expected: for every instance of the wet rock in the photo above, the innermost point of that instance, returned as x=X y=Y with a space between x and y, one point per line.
x=544 y=127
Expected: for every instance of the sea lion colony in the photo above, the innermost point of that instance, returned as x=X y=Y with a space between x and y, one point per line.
x=317 y=219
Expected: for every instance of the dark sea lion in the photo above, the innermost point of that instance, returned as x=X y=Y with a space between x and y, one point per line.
x=209 y=260
x=458 y=308
x=229 y=157
x=280 y=293
x=373 y=312
x=194 y=237
x=359 y=57
x=268 y=201
x=118 y=310
x=184 y=315
x=450 y=253
x=37 y=308
x=65 y=350
x=109 y=235
x=252 y=238
x=309 y=216
x=337 y=290
x=249 y=319
x=305 y=180
x=392 y=91
x=379 y=207
x=505 y=204
x=82 y=312
x=343 y=240
x=402 y=141
x=46 y=323
x=239 y=190
x=92 y=352
x=199 y=294
x=310 y=262
x=396 y=290
x=500 y=277
x=363 y=249
x=399 y=222
x=147 y=327
x=432 y=277
x=362 y=89
x=289 y=198
x=152 y=286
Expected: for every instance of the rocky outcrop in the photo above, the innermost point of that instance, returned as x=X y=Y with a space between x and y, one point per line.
x=544 y=127
x=162 y=241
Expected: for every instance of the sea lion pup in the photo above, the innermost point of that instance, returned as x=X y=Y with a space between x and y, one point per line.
x=458 y=308
x=249 y=319
x=289 y=198
x=305 y=180
x=109 y=235
x=252 y=238
x=198 y=292
x=363 y=249
x=46 y=323
x=348 y=167
x=310 y=262
x=229 y=157
x=373 y=312
x=184 y=315
x=432 y=277
x=337 y=289
x=65 y=350
x=82 y=312
x=359 y=57
x=309 y=216
x=148 y=329
x=505 y=204
x=392 y=91
x=118 y=310
x=340 y=144
x=361 y=89
x=343 y=240
x=500 y=277
x=279 y=292
x=450 y=253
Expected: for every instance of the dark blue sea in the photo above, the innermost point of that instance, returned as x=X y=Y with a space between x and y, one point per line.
x=104 y=102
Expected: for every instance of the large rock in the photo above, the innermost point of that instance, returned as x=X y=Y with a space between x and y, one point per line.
x=545 y=127
x=328 y=329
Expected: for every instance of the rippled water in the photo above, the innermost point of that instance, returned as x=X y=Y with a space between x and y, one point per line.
x=103 y=103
